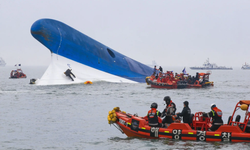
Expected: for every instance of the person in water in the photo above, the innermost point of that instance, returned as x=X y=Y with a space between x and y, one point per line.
x=69 y=73
x=153 y=116
x=216 y=115
x=169 y=111
x=186 y=113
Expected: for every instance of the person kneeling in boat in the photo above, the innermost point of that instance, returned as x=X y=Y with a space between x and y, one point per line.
x=216 y=115
x=186 y=113
x=169 y=111
x=69 y=73
x=153 y=116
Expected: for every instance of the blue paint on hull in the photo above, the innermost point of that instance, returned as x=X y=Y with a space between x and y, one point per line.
x=65 y=41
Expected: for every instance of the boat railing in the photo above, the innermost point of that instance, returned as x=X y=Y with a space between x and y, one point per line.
x=237 y=122
x=200 y=122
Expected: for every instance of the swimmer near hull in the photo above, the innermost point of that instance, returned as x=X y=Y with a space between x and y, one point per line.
x=89 y=59
x=198 y=130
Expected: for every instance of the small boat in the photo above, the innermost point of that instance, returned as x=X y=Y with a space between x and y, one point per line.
x=16 y=74
x=179 y=81
x=245 y=67
x=197 y=130
x=2 y=62
x=208 y=66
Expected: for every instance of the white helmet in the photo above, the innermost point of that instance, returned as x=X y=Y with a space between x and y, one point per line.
x=213 y=105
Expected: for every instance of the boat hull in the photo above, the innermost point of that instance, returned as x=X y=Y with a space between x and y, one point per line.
x=18 y=77
x=66 y=42
x=134 y=126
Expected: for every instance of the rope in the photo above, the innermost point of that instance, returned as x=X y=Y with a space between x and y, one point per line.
x=118 y=128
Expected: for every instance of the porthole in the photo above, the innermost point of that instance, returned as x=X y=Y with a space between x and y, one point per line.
x=111 y=53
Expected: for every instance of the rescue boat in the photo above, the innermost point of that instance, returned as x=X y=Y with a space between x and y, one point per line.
x=197 y=130
x=180 y=81
x=16 y=74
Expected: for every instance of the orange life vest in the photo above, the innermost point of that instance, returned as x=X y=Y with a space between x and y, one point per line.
x=217 y=111
x=153 y=118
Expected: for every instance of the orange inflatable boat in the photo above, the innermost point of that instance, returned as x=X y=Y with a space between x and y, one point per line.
x=16 y=74
x=198 y=130
x=179 y=81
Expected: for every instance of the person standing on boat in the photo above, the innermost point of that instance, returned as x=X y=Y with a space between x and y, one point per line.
x=186 y=113
x=160 y=69
x=154 y=71
x=69 y=73
x=153 y=116
x=197 y=77
x=169 y=111
x=216 y=115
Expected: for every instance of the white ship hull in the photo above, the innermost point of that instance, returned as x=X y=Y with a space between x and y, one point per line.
x=54 y=75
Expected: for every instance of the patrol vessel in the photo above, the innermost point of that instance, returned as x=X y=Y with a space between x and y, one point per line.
x=245 y=67
x=211 y=66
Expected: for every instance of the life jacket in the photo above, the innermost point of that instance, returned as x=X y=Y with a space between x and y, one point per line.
x=217 y=114
x=170 y=103
x=217 y=111
x=153 y=117
x=166 y=110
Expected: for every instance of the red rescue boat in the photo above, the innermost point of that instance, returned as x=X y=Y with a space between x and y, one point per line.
x=233 y=131
x=179 y=81
x=16 y=74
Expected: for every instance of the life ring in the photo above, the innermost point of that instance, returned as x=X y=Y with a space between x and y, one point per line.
x=146 y=79
x=87 y=82
x=196 y=82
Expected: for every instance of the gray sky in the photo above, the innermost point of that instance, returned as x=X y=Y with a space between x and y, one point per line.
x=171 y=32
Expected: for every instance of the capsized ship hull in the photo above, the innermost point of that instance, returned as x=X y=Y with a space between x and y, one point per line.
x=89 y=59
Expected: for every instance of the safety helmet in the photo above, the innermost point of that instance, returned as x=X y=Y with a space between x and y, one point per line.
x=213 y=105
x=186 y=103
x=167 y=99
x=154 y=105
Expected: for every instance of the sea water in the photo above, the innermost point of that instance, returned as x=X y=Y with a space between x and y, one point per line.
x=75 y=116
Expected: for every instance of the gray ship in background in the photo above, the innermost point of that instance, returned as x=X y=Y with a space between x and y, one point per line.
x=208 y=66
x=2 y=62
x=245 y=67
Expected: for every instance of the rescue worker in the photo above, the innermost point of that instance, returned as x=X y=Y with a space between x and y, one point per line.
x=197 y=77
x=154 y=71
x=169 y=111
x=153 y=116
x=216 y=115
x=160 y=69
x=186 y=113
x=69 y=73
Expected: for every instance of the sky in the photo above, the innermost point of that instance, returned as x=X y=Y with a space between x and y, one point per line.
x=170 y=32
